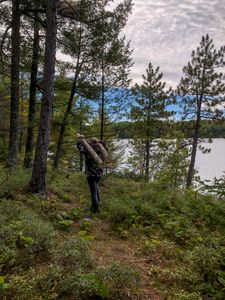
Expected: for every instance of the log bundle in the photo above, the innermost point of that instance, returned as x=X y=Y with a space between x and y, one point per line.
x=90 y=150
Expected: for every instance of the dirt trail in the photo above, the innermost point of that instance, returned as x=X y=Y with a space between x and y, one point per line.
x=108 y=249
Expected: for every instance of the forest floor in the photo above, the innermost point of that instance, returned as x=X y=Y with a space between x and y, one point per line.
x=147 y=242
x=108 y=249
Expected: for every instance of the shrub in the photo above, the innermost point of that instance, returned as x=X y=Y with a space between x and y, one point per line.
x=82 y=286
x=12 y=181
x=119 y=212
x=23 y=234
x=73 y=254
x=120 y=280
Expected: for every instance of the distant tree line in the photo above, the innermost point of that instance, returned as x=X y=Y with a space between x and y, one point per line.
x=209 y=129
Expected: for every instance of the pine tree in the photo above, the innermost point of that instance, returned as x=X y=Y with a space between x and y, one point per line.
x=202 y=89
x=151 y=100
x=38 y=182
x=77 y=38
x=15 y=71
x=28 y=159
x=85 y=43
x=113 y=56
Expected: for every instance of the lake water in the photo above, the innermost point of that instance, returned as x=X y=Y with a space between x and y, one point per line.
x=209 y=165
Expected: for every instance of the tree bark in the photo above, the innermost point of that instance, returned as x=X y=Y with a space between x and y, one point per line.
x=147 y=145
x=102 y=103
x=147 y=149
x=21 y=124
x=69 y=108
x=14 y=106
x=38 y=179
x=81 y=164
x=28 y=159
x=63 y=125
x=194 y=148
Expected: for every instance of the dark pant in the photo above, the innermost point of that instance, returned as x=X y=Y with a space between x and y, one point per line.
x=94 y=189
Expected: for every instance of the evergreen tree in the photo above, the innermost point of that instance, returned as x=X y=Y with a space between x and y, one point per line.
x=38 y=183
x=151 y=100
x=76 y=42
x=202 y=89
x=84 y=42
x=28 y=159
x=114 y=61
x=15 y=71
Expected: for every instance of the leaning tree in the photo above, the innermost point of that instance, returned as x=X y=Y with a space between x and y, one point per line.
x=202 y=90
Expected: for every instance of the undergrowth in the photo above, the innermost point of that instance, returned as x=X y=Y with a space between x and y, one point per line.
x=46 y=242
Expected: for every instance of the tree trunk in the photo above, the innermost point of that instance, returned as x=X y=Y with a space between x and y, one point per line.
x=147 y=149
x=21 y=124
x=69 y=107
x=147 y=145
x=194 y=149
x=103 y=103
x=38 y=181
x=28 y=159
x=63 y=125
x=14 y=108
x=81 y=165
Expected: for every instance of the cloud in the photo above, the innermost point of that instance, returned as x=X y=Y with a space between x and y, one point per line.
x=166 y=31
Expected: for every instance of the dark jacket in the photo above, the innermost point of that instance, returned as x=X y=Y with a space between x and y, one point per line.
x=91 y=167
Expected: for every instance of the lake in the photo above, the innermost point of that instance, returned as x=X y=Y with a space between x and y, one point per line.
x=209 y=165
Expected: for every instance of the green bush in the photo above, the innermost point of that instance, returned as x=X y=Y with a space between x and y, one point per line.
x=208 y=258
x=23 y=234
x=120 y=280
x=12 y=181
x=82 y=286
x=121 y=213
x=73 y=254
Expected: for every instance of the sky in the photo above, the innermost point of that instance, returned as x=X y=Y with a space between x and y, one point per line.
x=166 y=31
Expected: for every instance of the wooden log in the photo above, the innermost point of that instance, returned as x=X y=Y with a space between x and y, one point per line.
x=90 y=150
x=104 y=152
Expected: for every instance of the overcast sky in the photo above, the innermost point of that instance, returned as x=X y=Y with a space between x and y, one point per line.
x=166 y=31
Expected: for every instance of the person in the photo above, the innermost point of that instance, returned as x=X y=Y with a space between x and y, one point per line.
x=93 y=171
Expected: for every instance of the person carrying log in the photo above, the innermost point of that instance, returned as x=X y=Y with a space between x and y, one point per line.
x=96 y=154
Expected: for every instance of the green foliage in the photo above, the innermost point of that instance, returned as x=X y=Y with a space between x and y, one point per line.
x=73 y=254
x=209 y=129
x=151 y=100
x=202 y=86
x=67 y=185
x=119 y=280
x=217 y=187
x=12 y=181
x=74 y=213
x=86 y=224
x=182 y=228
x=65 y=224
x=83 y=286
x=3 y=285
x=23 y=235
x=178 y=232
x=3 y=149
